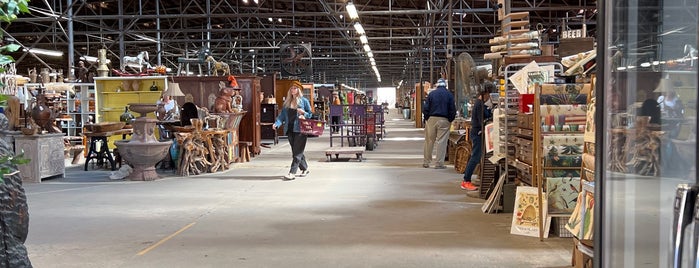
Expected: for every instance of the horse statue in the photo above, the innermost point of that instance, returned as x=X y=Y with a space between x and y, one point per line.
x=136 y=62
x=219 y=65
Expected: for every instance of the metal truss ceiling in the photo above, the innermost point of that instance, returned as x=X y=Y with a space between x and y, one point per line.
x=404 y=35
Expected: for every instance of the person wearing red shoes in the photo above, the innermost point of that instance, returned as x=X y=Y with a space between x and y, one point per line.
x=295 y=107
x=479 y=114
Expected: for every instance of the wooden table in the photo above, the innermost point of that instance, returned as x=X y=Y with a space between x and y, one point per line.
x=98 y=148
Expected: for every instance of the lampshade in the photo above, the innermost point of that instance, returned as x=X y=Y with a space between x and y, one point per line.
x=173 y=90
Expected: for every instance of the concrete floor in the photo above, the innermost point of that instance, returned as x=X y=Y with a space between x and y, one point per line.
x=386 y=211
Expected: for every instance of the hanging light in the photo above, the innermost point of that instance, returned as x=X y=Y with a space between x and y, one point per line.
x=363 y=39
x=359 y=28
x=352 y=11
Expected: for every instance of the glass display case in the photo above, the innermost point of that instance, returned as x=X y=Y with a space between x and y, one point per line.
x=646 y=109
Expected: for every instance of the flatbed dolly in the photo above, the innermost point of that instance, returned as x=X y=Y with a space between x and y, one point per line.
x=337 y=151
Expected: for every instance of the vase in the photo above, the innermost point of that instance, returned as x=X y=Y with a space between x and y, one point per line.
x=136 y=85
x=154 y=87
x=42 y=114
x=126 y=85
x=126 y=116
x=45 y=76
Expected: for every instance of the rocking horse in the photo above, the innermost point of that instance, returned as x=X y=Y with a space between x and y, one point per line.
x=136 y=62
x=219 y=65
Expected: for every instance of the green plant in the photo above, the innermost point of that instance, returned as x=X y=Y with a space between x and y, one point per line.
x=9 y=9
x=5 y=168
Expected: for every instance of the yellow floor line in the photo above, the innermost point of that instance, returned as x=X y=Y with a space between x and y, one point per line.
x=143 y=252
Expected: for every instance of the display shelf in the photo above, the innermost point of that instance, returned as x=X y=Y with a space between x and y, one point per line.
x=547 y=153
x=518 y=31
x=115 y=93
x=516 y=15
x=515 y=24
x=73 y=108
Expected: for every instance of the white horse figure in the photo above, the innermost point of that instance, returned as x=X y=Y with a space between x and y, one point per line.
x=136 y=62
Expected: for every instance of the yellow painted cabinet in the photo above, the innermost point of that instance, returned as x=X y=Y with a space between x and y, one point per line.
x=115 y=93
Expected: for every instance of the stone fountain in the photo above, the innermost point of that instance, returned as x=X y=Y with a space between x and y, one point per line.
x=143 y=151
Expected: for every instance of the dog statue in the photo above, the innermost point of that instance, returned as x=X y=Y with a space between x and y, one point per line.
x=224 y=100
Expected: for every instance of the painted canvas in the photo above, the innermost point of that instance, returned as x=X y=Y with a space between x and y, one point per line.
x=525 y=218
x=563 y=150
x=590 y=122
x=588 y=216
x=575 y=220
x=562 y=194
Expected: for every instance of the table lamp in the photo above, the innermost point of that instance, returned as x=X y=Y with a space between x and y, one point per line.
x=173 y=91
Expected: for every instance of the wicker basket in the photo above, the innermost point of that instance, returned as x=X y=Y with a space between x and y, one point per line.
x=104 y=126
x=463 y=153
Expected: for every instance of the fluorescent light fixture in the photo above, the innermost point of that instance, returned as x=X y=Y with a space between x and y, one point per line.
x=359 y=28
x=46 y=52
x=367 y=48
x=645 y=64
x=363 y=39
x=656 y=62
x=352 y=11
x=370 y=55
x=373 y=63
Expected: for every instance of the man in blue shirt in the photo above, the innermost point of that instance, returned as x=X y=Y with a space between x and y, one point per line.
x=439 y=111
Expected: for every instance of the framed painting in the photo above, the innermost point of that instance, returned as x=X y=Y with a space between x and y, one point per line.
x=489 y=129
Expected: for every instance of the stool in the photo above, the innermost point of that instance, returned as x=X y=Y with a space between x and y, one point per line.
x=101 y=154
x=244 y=151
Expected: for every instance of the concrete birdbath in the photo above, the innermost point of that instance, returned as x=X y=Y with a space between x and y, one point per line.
x=143 y=151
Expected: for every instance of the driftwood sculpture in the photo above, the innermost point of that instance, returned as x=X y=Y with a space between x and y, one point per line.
x=618 y=151
x=202 y=151
x=645 y=158
x=194 y=151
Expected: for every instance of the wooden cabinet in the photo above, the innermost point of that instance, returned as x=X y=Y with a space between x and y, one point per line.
x=46 y=154
x=268 y=114
x=115 y=93
x=202 y=92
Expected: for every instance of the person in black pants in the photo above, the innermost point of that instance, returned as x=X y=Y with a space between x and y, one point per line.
x=336 y=119
x=295 y=107
x=479 y=114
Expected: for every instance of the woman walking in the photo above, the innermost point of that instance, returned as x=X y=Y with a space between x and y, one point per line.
x=295 y=107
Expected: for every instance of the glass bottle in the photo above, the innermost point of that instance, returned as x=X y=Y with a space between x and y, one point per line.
x=154 y=87
x=126 y=116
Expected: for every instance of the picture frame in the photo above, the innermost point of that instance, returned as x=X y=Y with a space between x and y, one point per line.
x=489 y=145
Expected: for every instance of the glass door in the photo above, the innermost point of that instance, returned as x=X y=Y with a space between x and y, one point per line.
x=647 y=108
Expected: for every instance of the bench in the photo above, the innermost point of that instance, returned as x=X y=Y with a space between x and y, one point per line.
x=337 y=151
